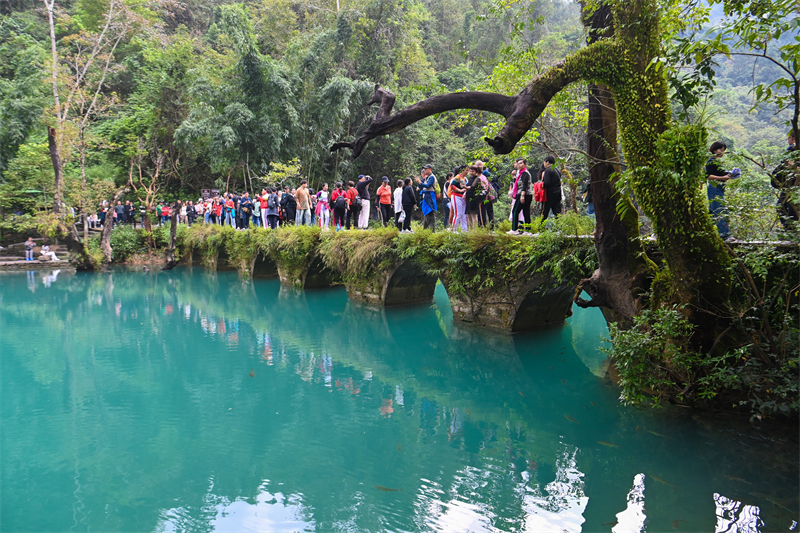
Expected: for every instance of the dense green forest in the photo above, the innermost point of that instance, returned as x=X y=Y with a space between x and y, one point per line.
x=177 y=97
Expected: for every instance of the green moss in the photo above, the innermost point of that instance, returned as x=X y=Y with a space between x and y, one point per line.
x=293 y=248
x=360 y=256
x=477 y=260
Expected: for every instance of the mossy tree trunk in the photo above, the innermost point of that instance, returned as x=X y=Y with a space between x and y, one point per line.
x=622 y=278
x=665 y=170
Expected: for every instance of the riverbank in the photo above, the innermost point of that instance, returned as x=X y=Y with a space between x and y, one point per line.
x=512 y=284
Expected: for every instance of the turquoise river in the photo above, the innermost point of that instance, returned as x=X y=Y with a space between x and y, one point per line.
x=195 y=401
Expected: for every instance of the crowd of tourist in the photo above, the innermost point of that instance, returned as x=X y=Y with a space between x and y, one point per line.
x=468 y=194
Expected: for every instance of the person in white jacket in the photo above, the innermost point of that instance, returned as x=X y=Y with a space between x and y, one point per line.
x=398 y=203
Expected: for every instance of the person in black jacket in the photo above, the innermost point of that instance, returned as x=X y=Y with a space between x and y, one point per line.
x=522 y=192
x=246 y=208
x=289 y=207
x=409 y=200
x=551 y=179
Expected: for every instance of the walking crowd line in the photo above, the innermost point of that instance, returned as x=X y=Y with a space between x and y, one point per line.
x=468 y=194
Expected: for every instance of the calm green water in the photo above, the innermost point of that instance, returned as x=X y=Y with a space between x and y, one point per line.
x=127 y=403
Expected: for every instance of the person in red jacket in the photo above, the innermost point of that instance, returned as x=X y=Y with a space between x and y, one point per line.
x=354 y=207
x=340 y=203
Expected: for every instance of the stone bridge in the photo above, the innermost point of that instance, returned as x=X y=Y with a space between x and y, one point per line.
x=508 y=297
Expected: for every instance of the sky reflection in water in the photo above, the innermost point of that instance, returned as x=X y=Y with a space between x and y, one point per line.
x=132 y=396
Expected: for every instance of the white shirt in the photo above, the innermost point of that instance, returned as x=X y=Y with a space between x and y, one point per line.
x=398 y=200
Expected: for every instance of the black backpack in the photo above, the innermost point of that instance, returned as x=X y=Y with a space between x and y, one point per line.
x=272 y=201
x=340 y=202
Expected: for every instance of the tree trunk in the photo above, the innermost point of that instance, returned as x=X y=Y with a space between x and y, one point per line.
x=105 y=237
x=84 y=213
x=55 y=157
x=622 y=277
x=173 y=230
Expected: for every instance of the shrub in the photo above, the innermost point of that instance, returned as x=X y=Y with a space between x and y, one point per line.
x=126 y=241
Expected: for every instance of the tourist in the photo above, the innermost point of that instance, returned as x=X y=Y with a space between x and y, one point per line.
x=272 y=204
x=166 y=212
x=51 y=256
x=448 y=201
x=716 y=187
x=457 y=191
x=492 y=189
x=183 y=215
x=588 y=197
x=522 y=193
x=312 y=206
x=384 y=194
x=354 y=203
x=289 y=206
x=29 y=246
x=339 y=201
x=408 y=201
x=551 y=179
x=230 y=212
x=246 y=209
x=303 y=217
x=142 y=213
x=201 y=211
x=428 y=197
x=362 y=187
x=476 y=194
x=119 y=214
x=323 y=209
x=217 y=209
x=398 y=203
x=191 y=212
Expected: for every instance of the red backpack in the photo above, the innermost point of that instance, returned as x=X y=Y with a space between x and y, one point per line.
x=539 y=192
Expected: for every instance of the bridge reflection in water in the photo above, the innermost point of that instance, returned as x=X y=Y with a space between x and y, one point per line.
x=136 y=409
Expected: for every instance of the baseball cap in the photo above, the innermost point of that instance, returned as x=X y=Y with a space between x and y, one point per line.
x=427 y=166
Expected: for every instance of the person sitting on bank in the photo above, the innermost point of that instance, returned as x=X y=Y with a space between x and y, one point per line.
x=29 y=246
x=49 y=256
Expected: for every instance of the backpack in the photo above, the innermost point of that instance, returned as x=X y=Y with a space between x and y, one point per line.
x=491 y=194
x=340 y=202
x=437 y=189
x=272 y=201
x=539 y=192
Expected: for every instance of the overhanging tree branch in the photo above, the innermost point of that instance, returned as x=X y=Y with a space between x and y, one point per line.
x=520 y=111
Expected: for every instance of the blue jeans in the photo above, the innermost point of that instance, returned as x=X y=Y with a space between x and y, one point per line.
x=716 y=206
x=303 y=217
x=207 y=217
x=229 y=218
